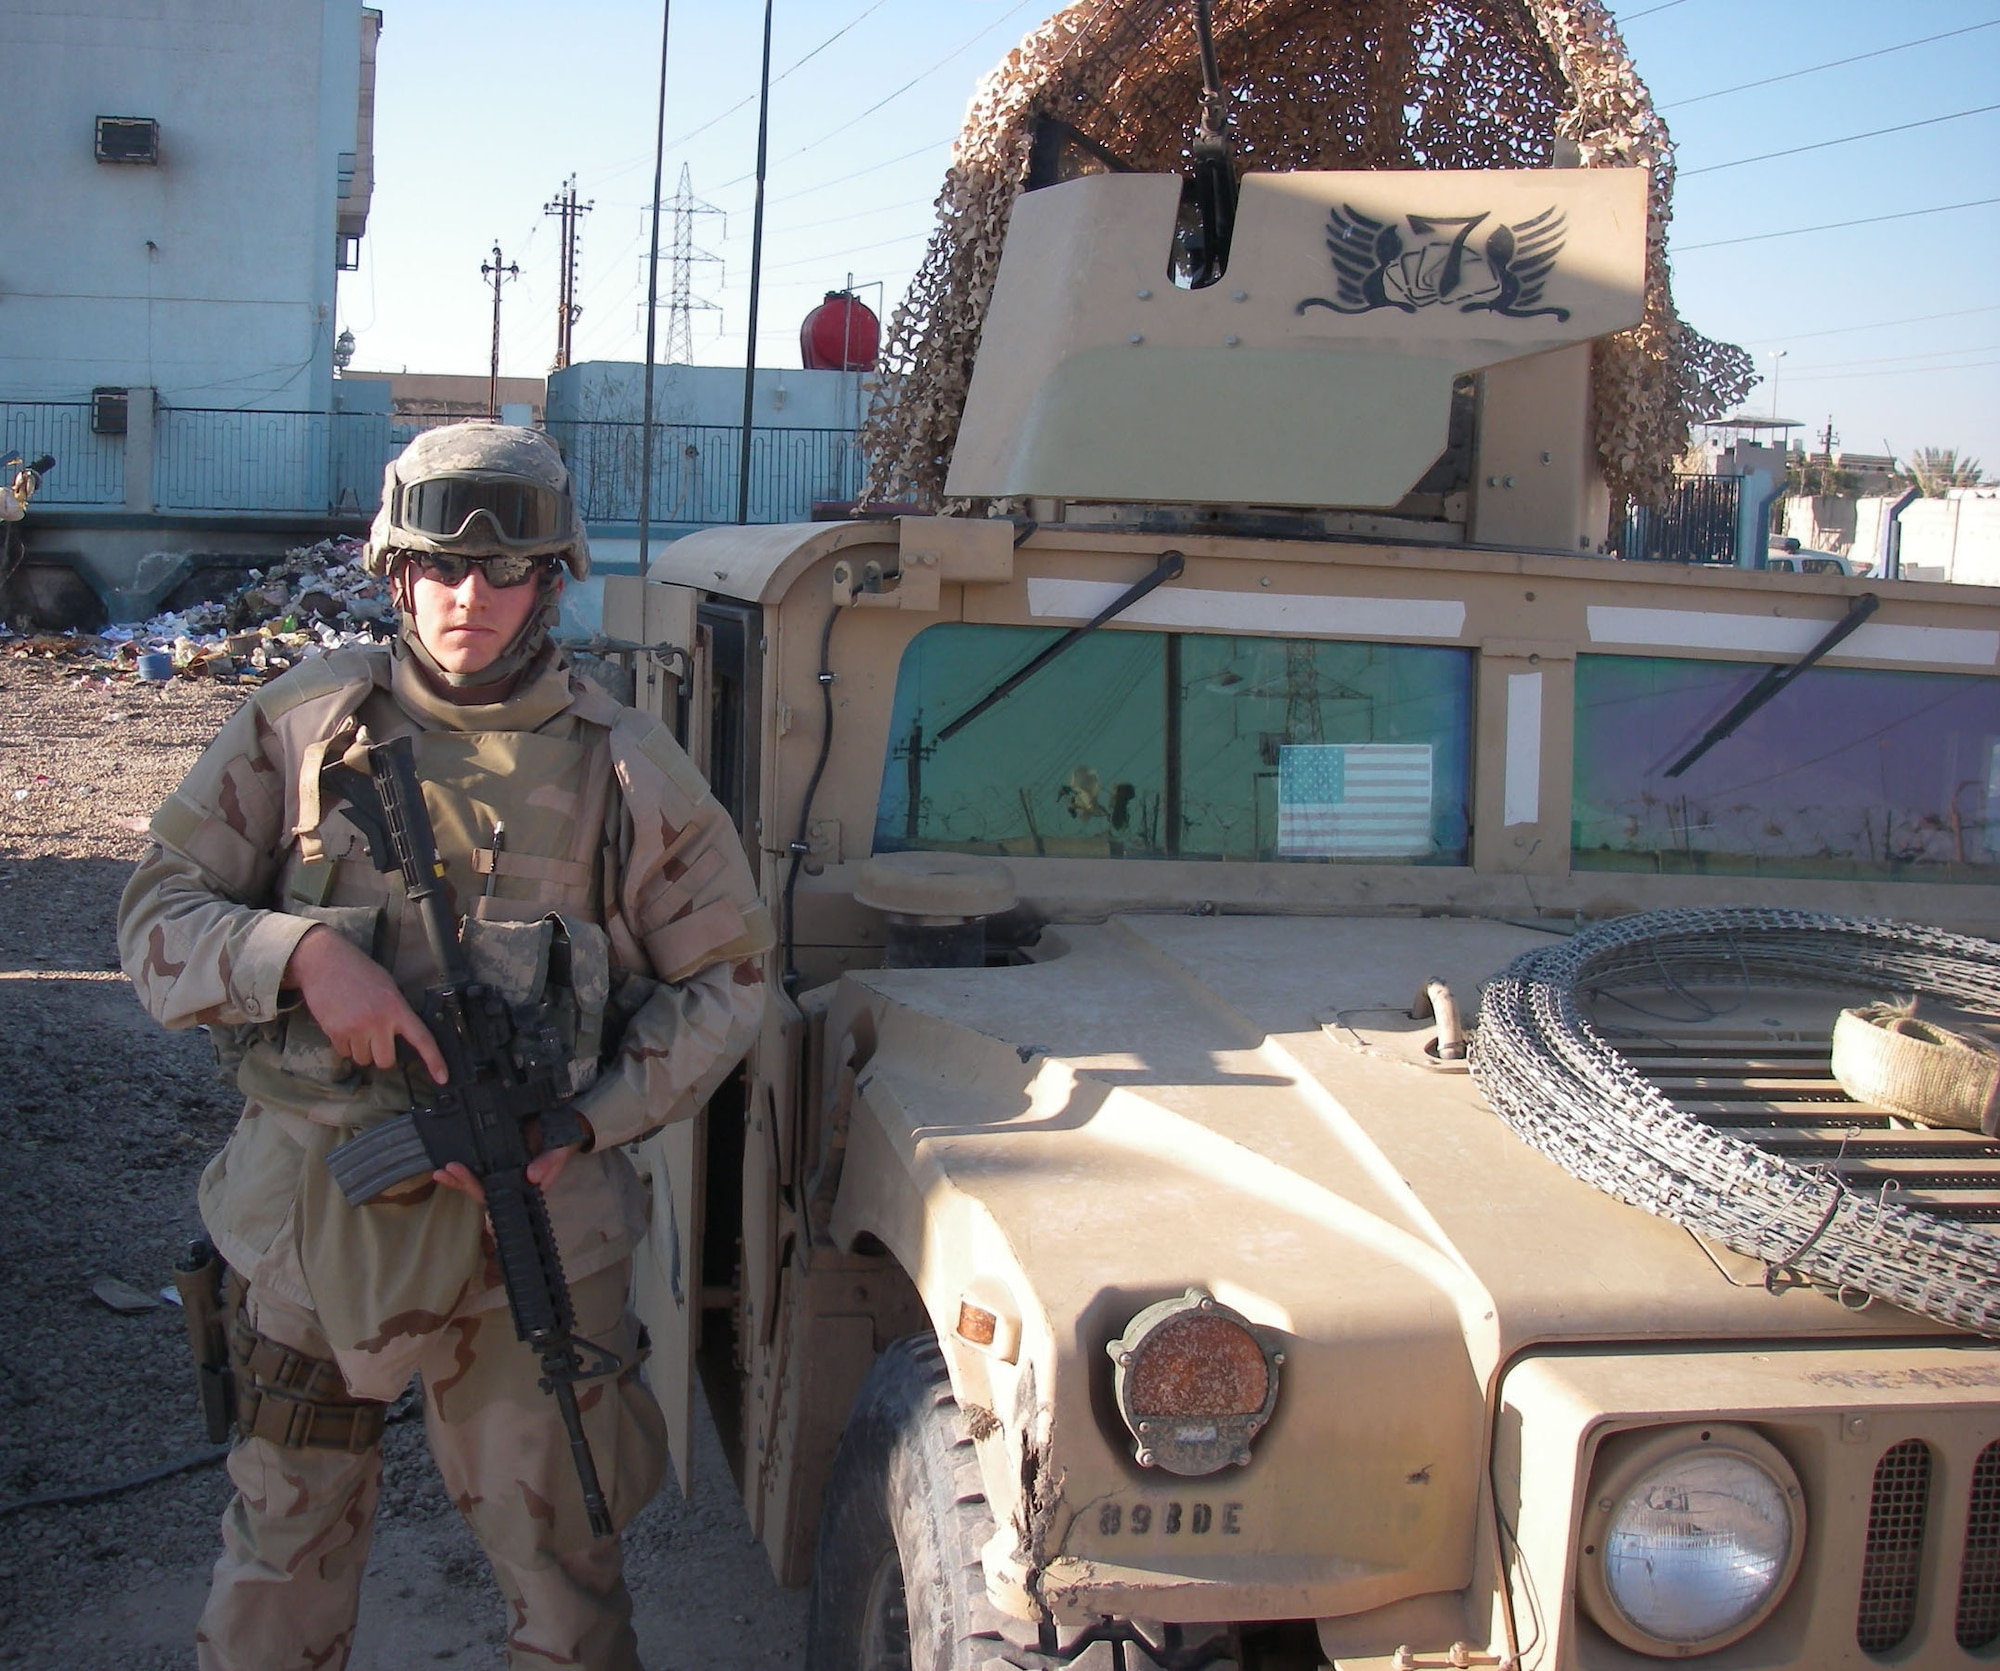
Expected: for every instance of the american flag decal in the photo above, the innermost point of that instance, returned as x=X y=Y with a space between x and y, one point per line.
x=1354 y=800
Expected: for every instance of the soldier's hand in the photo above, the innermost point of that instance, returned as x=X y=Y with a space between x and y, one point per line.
x=356 y=1004
x=543 y=1170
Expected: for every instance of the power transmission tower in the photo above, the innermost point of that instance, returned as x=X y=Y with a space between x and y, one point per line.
x=494 y=271
x=569 y=212
x=682 y=303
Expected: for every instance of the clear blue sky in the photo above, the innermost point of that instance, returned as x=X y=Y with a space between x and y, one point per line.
x=1892 y=329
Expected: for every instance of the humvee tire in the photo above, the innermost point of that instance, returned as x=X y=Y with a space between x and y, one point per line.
x=897 y=1580
x=898 y=1583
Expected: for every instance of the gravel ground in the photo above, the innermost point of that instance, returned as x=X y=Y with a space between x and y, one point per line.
x=111 y=1120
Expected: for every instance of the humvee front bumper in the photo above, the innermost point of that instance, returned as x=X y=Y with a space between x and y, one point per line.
x=1895 y=1450
x=1896 y=1453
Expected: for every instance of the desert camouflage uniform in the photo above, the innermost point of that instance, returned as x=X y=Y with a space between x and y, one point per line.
x=614 y=851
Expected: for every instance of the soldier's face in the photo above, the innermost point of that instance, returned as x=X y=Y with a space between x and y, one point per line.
x=465 y=627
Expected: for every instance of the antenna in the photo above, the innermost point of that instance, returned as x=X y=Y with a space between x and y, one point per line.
x=756 y=275
x=569 y=212
x=683 y=304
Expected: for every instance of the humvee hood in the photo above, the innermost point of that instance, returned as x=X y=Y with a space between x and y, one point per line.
x=1244 y=1136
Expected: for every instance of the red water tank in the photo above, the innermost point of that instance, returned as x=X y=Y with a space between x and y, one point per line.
x=841 y=334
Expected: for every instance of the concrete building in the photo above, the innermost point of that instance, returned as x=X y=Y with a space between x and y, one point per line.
x=421 y=399
x=803 y=450
x=1955 y=537
x=192 y=170
x=190 y=175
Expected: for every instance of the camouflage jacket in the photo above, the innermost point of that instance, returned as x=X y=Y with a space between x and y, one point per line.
x=613 y=843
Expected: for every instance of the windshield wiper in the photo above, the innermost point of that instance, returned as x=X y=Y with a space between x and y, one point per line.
x=1170 y=567
x=1775 y=680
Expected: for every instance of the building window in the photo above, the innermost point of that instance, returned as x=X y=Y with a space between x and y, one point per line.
x=128 y=139
x=347 y=252
x=1143 y=745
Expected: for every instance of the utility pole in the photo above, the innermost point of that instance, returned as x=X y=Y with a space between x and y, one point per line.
x=569 y=213
x=494 y=271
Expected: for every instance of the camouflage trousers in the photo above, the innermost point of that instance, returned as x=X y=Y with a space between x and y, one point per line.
x=287 y=1588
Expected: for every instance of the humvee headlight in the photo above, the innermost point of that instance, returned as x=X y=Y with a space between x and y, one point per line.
x=1194 y=1383
x=1691 y=1536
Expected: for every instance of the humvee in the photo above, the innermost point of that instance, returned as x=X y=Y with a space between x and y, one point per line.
x=1103 y=1258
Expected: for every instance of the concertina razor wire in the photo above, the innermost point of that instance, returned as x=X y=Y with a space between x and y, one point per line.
x=1553 y=1077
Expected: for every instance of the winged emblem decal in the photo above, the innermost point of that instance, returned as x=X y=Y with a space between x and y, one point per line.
x=1420 y=261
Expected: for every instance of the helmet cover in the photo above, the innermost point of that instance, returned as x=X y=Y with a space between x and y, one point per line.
x=478 y=490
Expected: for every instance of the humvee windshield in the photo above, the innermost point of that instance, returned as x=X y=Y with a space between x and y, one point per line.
x=1850 y=772
x=1181 y=745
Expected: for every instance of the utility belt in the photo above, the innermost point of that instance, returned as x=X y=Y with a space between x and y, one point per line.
x=258 y=1386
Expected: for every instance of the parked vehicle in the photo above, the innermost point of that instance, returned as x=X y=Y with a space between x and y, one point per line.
x=1104 y=1258
x=1787 y=556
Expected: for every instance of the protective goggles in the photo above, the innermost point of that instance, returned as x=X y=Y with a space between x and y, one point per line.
x=504 y=573
x=517 y=512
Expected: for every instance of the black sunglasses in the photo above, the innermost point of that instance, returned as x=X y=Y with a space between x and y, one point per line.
x=503 y=573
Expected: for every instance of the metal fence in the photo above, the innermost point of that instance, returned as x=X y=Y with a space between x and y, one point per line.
x=696 y=469
x=318 y=462
x=89 y=469
x=1697 y=525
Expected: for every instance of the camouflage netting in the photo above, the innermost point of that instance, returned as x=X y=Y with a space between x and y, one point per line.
x=1359 y=84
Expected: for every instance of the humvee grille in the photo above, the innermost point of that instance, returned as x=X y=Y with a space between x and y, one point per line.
x=1893 y=1558
x=1780 y=1094
x=1979 y=1581
x=1777 y=1090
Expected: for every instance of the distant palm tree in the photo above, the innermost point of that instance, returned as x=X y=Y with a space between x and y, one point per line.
x=1937 y=470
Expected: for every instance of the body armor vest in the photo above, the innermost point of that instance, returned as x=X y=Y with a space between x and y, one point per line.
x=520 y=824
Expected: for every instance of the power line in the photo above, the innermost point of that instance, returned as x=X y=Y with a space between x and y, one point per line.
x=872 y=168
x=1836 y=225
x=1906 y=371
x=1845 y=139
x=922 y=75
x=625 y=167
x=1896 y=359
x=1650 y=10
x=751 y=98
x=1879 y=324
x=856 y=214
x=1831 y=64
x=840 y=220
x=851 y=249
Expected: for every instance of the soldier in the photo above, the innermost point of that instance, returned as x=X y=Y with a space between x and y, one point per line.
x=597 y=872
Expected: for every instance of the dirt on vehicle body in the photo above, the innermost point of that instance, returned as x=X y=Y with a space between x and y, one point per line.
x=1105 y=1258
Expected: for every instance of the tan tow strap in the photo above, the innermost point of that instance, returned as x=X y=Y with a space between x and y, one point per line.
x=1883 y=1055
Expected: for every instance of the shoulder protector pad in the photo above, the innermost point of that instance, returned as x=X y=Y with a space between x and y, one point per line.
x=320 y=676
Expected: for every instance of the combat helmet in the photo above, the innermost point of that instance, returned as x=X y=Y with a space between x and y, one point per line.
x=478 y=490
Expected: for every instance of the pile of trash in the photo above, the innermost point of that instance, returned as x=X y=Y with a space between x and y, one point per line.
x=318 y=598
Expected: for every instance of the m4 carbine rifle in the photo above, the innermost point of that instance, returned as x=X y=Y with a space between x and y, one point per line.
x=506 y=1066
